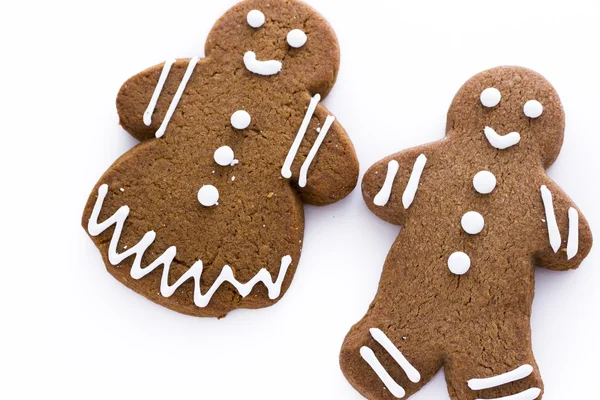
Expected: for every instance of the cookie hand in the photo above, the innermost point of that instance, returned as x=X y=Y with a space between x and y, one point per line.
x=144 y=99
x=568 y=238
x=325 y=169
x=390 y=186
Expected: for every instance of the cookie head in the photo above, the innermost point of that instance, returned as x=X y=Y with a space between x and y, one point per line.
x=510 y=108
x=283 y=41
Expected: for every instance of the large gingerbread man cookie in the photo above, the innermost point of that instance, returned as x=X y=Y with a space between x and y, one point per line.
x=479 y=212
x=205 y=215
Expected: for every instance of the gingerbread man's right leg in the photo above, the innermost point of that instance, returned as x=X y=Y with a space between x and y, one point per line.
x=384 y=357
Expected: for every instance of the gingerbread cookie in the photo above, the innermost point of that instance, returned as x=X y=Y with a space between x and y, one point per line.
x=479 y=212
x=205 y=215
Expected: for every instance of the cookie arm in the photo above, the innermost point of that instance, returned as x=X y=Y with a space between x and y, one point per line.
x=389 y=186
x=575 y=242
x=325 y=172
x=134 y=98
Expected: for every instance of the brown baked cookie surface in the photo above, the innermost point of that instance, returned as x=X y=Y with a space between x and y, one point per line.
x=479 y=212
x=205 y=215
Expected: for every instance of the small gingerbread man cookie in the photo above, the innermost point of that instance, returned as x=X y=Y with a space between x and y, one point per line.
x=205 y=215
x=479 y=212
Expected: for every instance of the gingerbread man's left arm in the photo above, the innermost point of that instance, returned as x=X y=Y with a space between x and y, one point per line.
x=568 y=236
x=327 y=171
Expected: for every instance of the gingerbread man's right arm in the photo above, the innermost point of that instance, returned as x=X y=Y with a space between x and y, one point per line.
x=389 y=186
x=136 y=94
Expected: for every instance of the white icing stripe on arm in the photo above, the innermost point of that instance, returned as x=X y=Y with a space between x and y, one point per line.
x=499 y=380
x=286 y=171
x=157 y=90
x=530 y=394
x=573 y=240
x=413 y=181
x=553 y=232
x=313 y=151
x=195 y=272
x=177 y=97
x=501 y=142
x=382 y=198
x=369 y=356
x=412 y=373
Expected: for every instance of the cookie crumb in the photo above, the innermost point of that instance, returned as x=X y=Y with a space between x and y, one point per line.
x=270 y=195
x=122 y=190
x=233 y=178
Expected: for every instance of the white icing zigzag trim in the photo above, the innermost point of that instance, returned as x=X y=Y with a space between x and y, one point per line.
x=195 y=272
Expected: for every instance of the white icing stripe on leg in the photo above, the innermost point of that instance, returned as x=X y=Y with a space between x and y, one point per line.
x=573 y=241
x=383 y=196
x=157 y=90
x=413 y=182
x=553 y=232
x=313 y=151
x=177 y=97
x=499 y=380
x=389 y=382
x=387 y=344
x=530 y=394
x=166 y=259
x=286 y=170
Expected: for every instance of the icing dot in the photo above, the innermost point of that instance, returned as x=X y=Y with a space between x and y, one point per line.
x=208 y=195
x=533 y=108
x=224 y=156
x=472 y=222
x=296 y=38
x=240 y=119
x=459 y=263
x=255 y=19
x=490 y=97
x=484 y=182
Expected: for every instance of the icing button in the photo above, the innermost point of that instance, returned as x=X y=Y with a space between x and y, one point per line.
x=240 y=119
x=459 y=263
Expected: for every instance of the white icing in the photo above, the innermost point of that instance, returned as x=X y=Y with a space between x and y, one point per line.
x=313 y=151
x=195 y=272
x=459 y=263
x=255 y=18
x=186 y=77
x=208 y=196
x=382 y=198
x=286 y=171
x=501 y=142
x=270 y=67
x=533 y=109
x=240 y=119
x=157 y=90
x=484 y=182
x=296 y=38
x=499 y=380
x=490 y=97
x=413 y=182
x=224 y=156
x=553 y=232
x=369 y=356
x=530 y=394
x=472 y=222
x=412 y=373
x=573 y=240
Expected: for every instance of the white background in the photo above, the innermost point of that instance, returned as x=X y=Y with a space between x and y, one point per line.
x=68 y=330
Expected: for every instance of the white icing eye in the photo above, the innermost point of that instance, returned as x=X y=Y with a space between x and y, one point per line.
x=490 y=97
x=240 y=119
x=533 y=108
x=296 y=38
x=255 y=19
x=208 y=195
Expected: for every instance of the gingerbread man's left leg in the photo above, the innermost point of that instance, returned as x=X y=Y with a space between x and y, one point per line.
x=491 y=358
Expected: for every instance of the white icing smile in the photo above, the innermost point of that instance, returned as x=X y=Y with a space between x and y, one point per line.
x=269 y=67
x=501 y=142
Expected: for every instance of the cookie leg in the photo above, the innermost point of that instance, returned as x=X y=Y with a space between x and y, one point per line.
x=384 y=361
x=496 y=362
